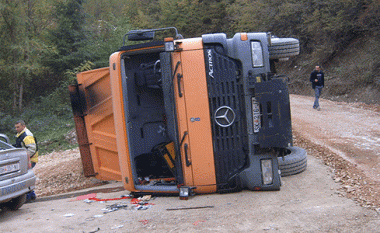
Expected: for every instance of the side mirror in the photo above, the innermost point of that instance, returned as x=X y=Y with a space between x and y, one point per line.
x=147 y=34
x=4 y=138
x=138 y=35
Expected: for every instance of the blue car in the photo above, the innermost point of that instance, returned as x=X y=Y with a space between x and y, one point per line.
x=16 y=175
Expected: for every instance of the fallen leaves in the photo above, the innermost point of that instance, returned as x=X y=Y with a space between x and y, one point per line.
x=355 y=184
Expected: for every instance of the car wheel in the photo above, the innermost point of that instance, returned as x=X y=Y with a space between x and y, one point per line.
x=283 y=48
x=293 y=163
x=16 y=203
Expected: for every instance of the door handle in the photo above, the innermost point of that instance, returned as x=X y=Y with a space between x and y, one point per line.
x=186 y=147
x=183 y=138
x=179 y=77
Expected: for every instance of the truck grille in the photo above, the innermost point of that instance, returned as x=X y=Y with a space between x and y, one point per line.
x=228 y=121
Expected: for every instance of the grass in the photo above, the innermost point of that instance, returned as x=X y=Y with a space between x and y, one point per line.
x=55 y=138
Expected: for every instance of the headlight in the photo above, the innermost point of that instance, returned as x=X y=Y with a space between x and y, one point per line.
x=257 y=54
x=184 y=192
x=169 y=45
x=267 y=171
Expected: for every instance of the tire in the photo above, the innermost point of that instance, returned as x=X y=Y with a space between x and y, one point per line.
x=16 y=203
x=283 y=48
x=293 y=163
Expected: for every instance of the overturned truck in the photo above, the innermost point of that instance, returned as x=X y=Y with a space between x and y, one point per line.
x=182 y=116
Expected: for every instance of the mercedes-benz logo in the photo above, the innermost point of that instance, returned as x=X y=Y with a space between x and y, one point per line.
x=224 y=116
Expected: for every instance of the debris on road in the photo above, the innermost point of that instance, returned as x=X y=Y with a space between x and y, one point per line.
x=145 y=198
x=114 y=207
x=117 y=227
x=95 y=230
x=144 y=222
x=197 y=222
x=84 y=197
x=191 y=208
x=141 y=203
x=142 y=207
x=108 y=199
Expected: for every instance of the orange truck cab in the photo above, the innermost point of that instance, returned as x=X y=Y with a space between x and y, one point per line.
x=198 y=115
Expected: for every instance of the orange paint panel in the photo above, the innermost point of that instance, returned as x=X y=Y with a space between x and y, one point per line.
x=197 y=107
x=194 y=104
x=108 y=169
x=206 y=189
x=105 y=127
x=190 y=44
x=99 y=114
x=96 y=85
x=244 y=36
x=108 y=172
x=182 y=122
x=89 y=77
x=120 y=121
x=100 y=123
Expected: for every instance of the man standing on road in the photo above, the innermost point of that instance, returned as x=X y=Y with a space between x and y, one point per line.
x=25 y=139
x=317 y=80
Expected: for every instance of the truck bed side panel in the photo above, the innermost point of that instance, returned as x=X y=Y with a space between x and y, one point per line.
x=99 y=121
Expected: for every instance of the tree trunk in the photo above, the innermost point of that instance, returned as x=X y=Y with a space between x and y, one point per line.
x=21 y=89
x=14 y=101
x=15 y=86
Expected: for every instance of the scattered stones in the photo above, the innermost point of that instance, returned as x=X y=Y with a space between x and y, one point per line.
x=61 y=172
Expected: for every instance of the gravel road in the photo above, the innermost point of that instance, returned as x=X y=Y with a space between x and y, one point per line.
x=337 y=192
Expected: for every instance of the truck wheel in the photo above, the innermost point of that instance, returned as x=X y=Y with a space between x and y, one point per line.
x=293 y=163
x=16 y=203
x=283 y=48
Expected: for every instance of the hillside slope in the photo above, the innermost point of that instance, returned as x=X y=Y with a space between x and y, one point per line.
x=351 y=75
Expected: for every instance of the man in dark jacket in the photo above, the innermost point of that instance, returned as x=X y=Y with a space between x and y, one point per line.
x=317 y=80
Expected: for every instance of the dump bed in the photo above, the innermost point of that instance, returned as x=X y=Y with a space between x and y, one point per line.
x=95 y=127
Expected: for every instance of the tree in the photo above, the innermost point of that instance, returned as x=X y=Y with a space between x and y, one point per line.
x=194 y=17
x=143 y=13
x=21 y=46
x=106 y=24
x=67 y=38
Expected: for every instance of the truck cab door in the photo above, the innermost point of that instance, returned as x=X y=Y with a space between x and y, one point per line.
x=194 y=127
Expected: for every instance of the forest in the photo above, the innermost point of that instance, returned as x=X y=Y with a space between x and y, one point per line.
x=46 y=42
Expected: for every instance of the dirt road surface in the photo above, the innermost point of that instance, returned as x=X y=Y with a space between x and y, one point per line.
x=352 y=131
x=348 y=137
x=338 y=192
